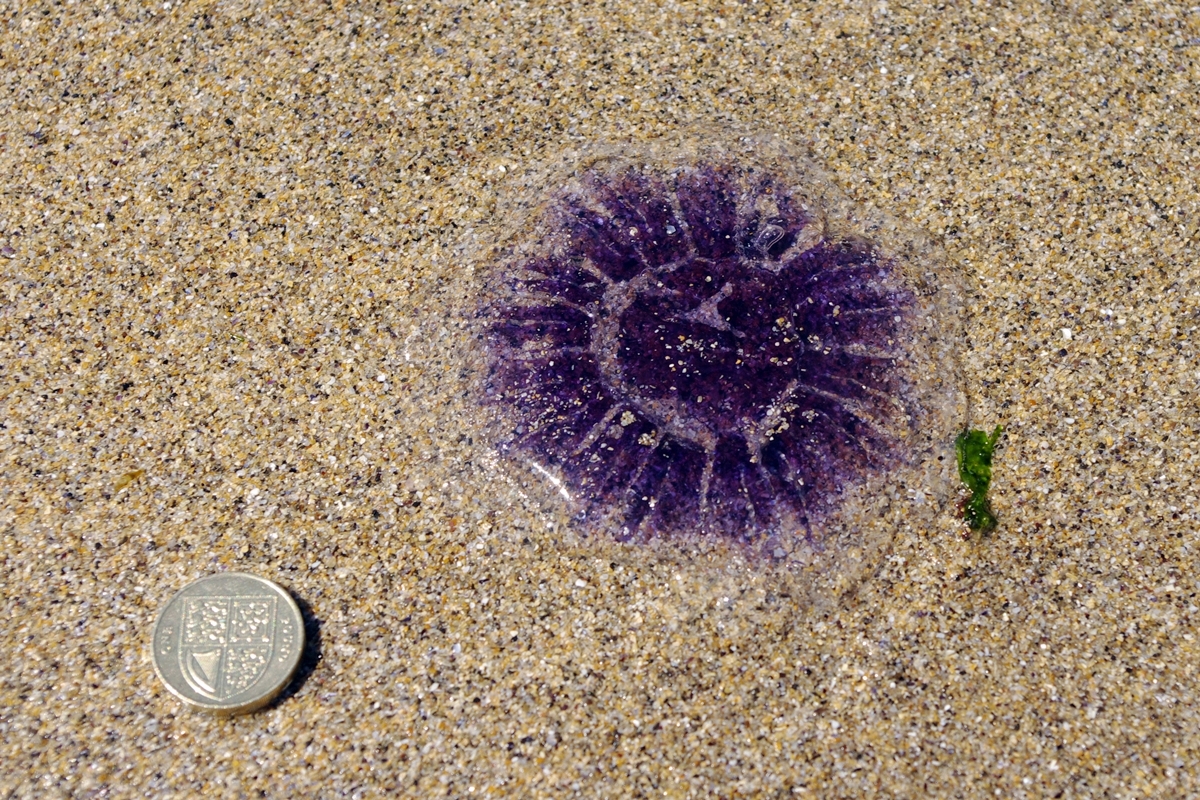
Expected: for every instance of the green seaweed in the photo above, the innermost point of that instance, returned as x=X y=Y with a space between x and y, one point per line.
x=975 y=450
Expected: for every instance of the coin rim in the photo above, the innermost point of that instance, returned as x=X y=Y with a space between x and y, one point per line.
x=231 y=709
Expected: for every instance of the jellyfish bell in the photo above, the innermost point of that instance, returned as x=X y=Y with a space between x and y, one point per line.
x=703 y=339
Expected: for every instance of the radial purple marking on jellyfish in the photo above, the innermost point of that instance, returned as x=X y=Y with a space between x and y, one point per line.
x=690 y=359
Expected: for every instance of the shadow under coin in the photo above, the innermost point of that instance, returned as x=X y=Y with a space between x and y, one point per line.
x=312 y=651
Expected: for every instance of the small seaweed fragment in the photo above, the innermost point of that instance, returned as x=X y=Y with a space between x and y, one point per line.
x=128 y=478
x=975 y=450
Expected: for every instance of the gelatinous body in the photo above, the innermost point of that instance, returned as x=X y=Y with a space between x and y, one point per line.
x=704 y=346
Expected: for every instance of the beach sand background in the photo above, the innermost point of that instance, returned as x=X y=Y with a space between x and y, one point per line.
x=236 y=333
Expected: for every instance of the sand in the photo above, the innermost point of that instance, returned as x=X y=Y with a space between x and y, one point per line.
x=236 y=332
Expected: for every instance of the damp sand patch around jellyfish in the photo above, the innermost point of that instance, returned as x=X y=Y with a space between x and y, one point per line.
x=704 y=343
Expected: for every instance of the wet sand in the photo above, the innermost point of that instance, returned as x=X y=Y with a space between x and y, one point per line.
x=237 y=332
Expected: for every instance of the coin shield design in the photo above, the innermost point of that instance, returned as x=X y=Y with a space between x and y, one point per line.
x=228 y=643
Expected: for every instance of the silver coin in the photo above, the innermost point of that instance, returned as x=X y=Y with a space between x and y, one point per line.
x=228 y=643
